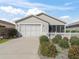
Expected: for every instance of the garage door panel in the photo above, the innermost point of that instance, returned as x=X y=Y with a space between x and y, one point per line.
x=28 y=30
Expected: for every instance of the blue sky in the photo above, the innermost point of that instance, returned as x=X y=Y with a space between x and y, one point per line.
x=66 y=10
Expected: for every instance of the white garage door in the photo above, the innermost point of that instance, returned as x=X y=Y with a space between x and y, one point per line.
x=28 y=30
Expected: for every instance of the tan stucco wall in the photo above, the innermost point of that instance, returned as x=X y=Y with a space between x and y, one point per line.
x=33 y=20
x=50 y=20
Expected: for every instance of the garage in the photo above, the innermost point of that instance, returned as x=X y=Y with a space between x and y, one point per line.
x=28 y=30
x=32 y=26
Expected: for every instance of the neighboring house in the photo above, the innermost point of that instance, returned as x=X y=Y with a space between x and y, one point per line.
x=73 y=26
x=5 y=24
x=40 y=24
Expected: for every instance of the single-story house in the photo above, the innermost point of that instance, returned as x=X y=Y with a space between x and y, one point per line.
x=6 y=24
x=73 y=26
x=41 y=24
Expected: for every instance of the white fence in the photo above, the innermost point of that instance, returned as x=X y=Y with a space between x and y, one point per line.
x=69 y=35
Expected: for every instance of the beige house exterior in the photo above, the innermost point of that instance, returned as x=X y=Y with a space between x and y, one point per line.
x=6 y=24
x=40 y=24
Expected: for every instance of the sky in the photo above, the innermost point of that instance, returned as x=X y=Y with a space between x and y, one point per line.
x=65 y=10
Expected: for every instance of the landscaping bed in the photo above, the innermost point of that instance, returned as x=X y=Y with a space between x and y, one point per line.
x=59 y=48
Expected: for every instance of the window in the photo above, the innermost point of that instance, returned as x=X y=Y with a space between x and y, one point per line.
x=52 y=28
x=56 y=28
x=62 y=28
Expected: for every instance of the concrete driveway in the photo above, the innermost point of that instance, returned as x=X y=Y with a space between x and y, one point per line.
x=21 y=48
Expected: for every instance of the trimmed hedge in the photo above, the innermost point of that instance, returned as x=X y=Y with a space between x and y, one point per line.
x=74 y=41
x=57 y=39
x=73 y=52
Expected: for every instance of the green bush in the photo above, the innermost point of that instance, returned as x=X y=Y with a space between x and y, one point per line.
x=74 y=41
x=73 y=52
x=48 y=50
x=64 y=43
x=44 y=39
x=57 y=39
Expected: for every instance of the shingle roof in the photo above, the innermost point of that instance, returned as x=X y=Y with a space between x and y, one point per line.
x=29 y=17
x=39 y=18
x=51 y=17
x=6 y=22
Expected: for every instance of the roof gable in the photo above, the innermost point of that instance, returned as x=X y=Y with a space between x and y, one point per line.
x=30 y=17
x=51 y=17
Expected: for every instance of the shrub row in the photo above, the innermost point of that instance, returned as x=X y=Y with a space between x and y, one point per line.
x=49 y=50
x=73 y=52
x=46 y=48
x=61 y=42
x=72 y=31
x=8 y=33
x=74 y=41
x=57 y=39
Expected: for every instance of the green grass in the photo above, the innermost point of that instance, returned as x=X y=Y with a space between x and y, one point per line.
x=3 y=41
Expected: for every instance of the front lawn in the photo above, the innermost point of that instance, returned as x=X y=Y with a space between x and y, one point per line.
x=3 y=41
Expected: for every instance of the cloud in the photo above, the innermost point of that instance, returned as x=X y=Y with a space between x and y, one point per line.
x=26 y=4
x=11 y=10
x=2 y=18
x=66 y=18
x=68 y=3
x=5 y=19
x=34 y=11
x=44 y=6
x=30 y=5
x=10 y=7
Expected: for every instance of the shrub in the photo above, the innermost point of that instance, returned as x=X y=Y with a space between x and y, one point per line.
x=73 y=52
x=12 y=33
x=57 y=38
x=64 y=43
x=8 y=33
x=74 y=31
x=67 y=31
x=65 y=38
x=74 y=41
x=48 y=50
x=43 y=39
